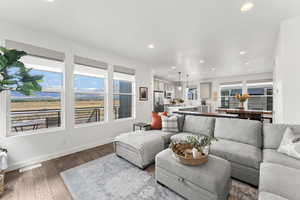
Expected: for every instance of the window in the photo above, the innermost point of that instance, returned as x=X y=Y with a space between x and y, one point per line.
x=90 y=94
x=228 y=93
x=43 y=109
x=192 y=94
x=123 y=95
x=261 y=96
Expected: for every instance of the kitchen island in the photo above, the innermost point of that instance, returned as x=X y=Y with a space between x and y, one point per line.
x=207 y=114
x=200 y=108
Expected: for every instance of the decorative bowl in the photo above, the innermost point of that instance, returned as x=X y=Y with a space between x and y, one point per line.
x=183 y=153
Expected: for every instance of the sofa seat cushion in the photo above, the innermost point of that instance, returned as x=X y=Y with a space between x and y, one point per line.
x=239 y=130
x=269 y=196
x=138 y=148
x=181 y=137
x=236 y=152
x=166 y=135
x=272 y=156
x=280 y=180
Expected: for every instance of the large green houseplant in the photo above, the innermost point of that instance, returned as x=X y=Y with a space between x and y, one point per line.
x=14 y=75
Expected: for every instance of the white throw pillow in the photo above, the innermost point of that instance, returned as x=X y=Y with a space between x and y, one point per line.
x=169 y=124
x=290 y=144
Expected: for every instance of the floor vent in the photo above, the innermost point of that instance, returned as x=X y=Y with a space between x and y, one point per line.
x=24 y=169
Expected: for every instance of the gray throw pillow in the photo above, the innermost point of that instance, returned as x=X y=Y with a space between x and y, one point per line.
x=180 y=119
x=290 y=144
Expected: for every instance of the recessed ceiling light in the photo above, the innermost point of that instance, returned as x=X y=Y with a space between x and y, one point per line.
x=243 y=52
x=247 y=6
x=50 y=1
x=246 y=63
x=173 y=67
x=213 y=69
x=202 y=61
x=151 y=46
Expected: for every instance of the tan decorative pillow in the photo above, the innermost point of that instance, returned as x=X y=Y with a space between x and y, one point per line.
x=290 y=144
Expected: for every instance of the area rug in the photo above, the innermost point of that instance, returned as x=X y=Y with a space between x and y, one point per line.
x=113 y=178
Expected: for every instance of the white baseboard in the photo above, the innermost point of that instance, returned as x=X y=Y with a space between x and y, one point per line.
x=43 y=158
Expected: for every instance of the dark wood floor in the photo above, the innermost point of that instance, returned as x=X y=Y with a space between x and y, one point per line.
x=45 y=183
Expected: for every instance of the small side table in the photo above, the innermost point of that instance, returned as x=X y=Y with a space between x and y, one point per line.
x=141 y=125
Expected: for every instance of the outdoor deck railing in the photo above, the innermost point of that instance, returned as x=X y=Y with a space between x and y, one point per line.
x=25 y=120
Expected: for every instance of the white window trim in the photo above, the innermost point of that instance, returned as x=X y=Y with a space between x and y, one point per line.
x=232 y=87
x=105 y=94
x=9 y=133
x=260 y=85
x=133 y=109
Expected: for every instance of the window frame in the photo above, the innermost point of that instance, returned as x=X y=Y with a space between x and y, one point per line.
x=194 y=91
x=265 y=86
x=133 y=93
x=7 y=125
x=244 y=86
x=229 y=87
x=104 y=93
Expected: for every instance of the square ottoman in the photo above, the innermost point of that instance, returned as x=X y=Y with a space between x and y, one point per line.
x=139 y=147
x=209 y=181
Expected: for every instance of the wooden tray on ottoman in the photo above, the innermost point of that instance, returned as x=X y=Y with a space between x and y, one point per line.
x=183 y=154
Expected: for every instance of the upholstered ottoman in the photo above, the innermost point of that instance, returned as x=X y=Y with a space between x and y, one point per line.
x=139 y=147
x=210 y=181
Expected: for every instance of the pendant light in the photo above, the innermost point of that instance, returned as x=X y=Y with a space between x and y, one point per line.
x=187 y=81
x=179 y=87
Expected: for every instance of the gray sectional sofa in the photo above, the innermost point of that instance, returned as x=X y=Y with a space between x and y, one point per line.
x=251 y=148
x=279 y=173
x=239 y=141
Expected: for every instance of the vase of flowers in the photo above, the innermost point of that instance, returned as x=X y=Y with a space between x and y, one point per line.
x=242 y=99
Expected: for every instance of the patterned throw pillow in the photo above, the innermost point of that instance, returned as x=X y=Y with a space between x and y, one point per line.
x=169 y=124
x=290 y=144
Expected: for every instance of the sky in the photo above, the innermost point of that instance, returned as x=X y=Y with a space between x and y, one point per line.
x=54 y=80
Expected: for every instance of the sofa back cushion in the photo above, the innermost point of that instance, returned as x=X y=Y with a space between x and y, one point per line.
x=273 y=134
x=199 y=125
x=239 y=130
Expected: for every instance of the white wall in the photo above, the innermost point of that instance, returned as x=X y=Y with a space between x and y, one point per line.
x=287 y=73
x=25 y=150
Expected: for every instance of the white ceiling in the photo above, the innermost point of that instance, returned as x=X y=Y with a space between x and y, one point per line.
x=183 y=32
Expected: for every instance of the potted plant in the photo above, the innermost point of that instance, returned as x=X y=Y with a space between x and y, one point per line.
x=180 y=101
x=172 y=101
x=201 y=145
x=242 y=99
x=15 y=76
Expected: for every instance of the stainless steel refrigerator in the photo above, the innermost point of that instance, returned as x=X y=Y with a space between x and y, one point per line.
x=158 y=101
